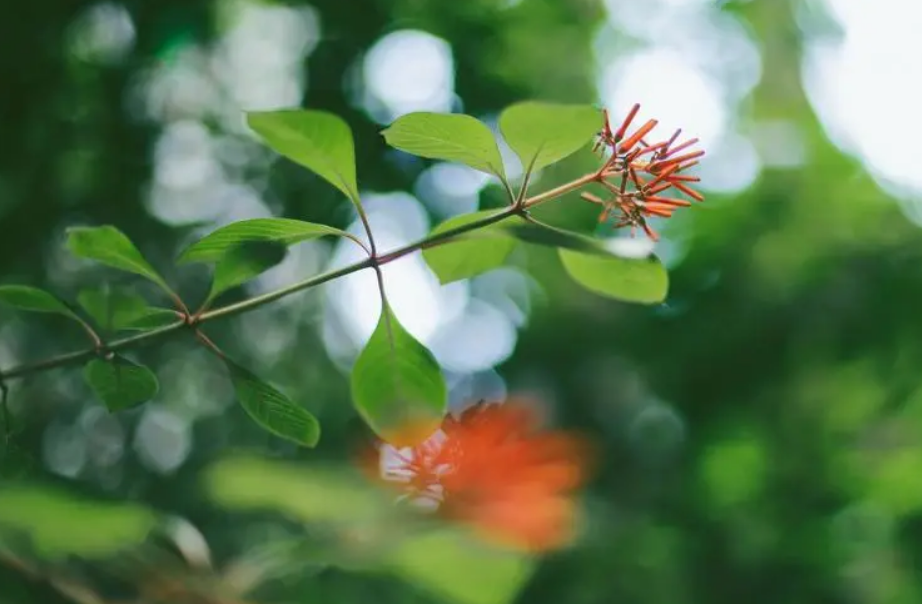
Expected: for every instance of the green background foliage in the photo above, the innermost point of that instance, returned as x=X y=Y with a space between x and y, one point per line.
x=759 y=433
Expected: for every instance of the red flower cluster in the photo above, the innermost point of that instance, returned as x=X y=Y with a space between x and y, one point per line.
x=639 y=174
x=491 y=470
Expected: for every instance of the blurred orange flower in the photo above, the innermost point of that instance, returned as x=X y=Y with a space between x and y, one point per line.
x=493 y=470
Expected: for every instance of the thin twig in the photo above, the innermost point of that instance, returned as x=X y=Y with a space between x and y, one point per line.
x=374 y=261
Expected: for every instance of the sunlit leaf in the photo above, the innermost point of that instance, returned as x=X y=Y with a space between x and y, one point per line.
x=313 y=493
x=639 y=280
x=451 y=137
x=109 y=246
x=244 y=262
x=60 y=524
x=120 y=383
x=445 y=562
x=273 y=410
x=397 y=385
x=285 y=231
x=475 y=253
x=318 y=140
x=32 y=299
x=120 y=309
x=544 y=133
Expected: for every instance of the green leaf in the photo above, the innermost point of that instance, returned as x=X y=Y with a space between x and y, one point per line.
x=544 y=133
x=546 y=235
x=151 y=318
x=109 y=246
x=640 y=280
x=471 y=254
x=125 y=310
x=120 y=383
x=318 y=140
x=215 y=246
x=313 y=493
x=244 y=262
x=273 y=410
x=33 y=299
x=452 y=137
x=61 y=525
x=445 y=561
x=397 y=385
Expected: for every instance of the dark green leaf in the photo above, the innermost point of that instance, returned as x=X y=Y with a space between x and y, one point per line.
x=452 y=137
x=544 y=133
x=109 y=246
x=33 y=299
x=119 y=309
x=151 y=318
x=273 y=410
x=215 y=246
x=397 y=385
x=640 y=280
x=553 y=237
x=120 y=383
x=60 y=524
x=244 y=262
x=319 y=141
x=471 y=254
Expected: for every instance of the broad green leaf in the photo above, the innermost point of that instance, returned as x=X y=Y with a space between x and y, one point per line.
x=544 y=133
x=120 y=383
x=452 y=137
x=445 y=562
x=318 y=140
x=313 y=493
x=215 y=246
x=397 y=385
x=273 y=410
x=472 y=254
x=109 y=246
x=60 y=524
x=33 y=299
x=119 y=309
x=640 y=280
x=244 y=262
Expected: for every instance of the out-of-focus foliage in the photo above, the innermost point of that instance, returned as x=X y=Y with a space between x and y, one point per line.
x=759 y=434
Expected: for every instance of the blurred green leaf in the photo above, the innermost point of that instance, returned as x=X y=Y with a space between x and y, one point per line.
x=638 y=280
x=108 y=245
x=453 y=566
x=451 y=137
x=397 y=385
x=214 y=246
x=471 y=254
x=318 y=140
x=244 y=262
x=313 y=493
x=734 y=471
x=120 y=309
x=60 y=524
x=544 y=133
x=120 y=383
x=273 y=410
x=33 y=299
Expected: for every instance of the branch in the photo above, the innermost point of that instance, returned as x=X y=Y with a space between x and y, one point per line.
x=73 y=358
